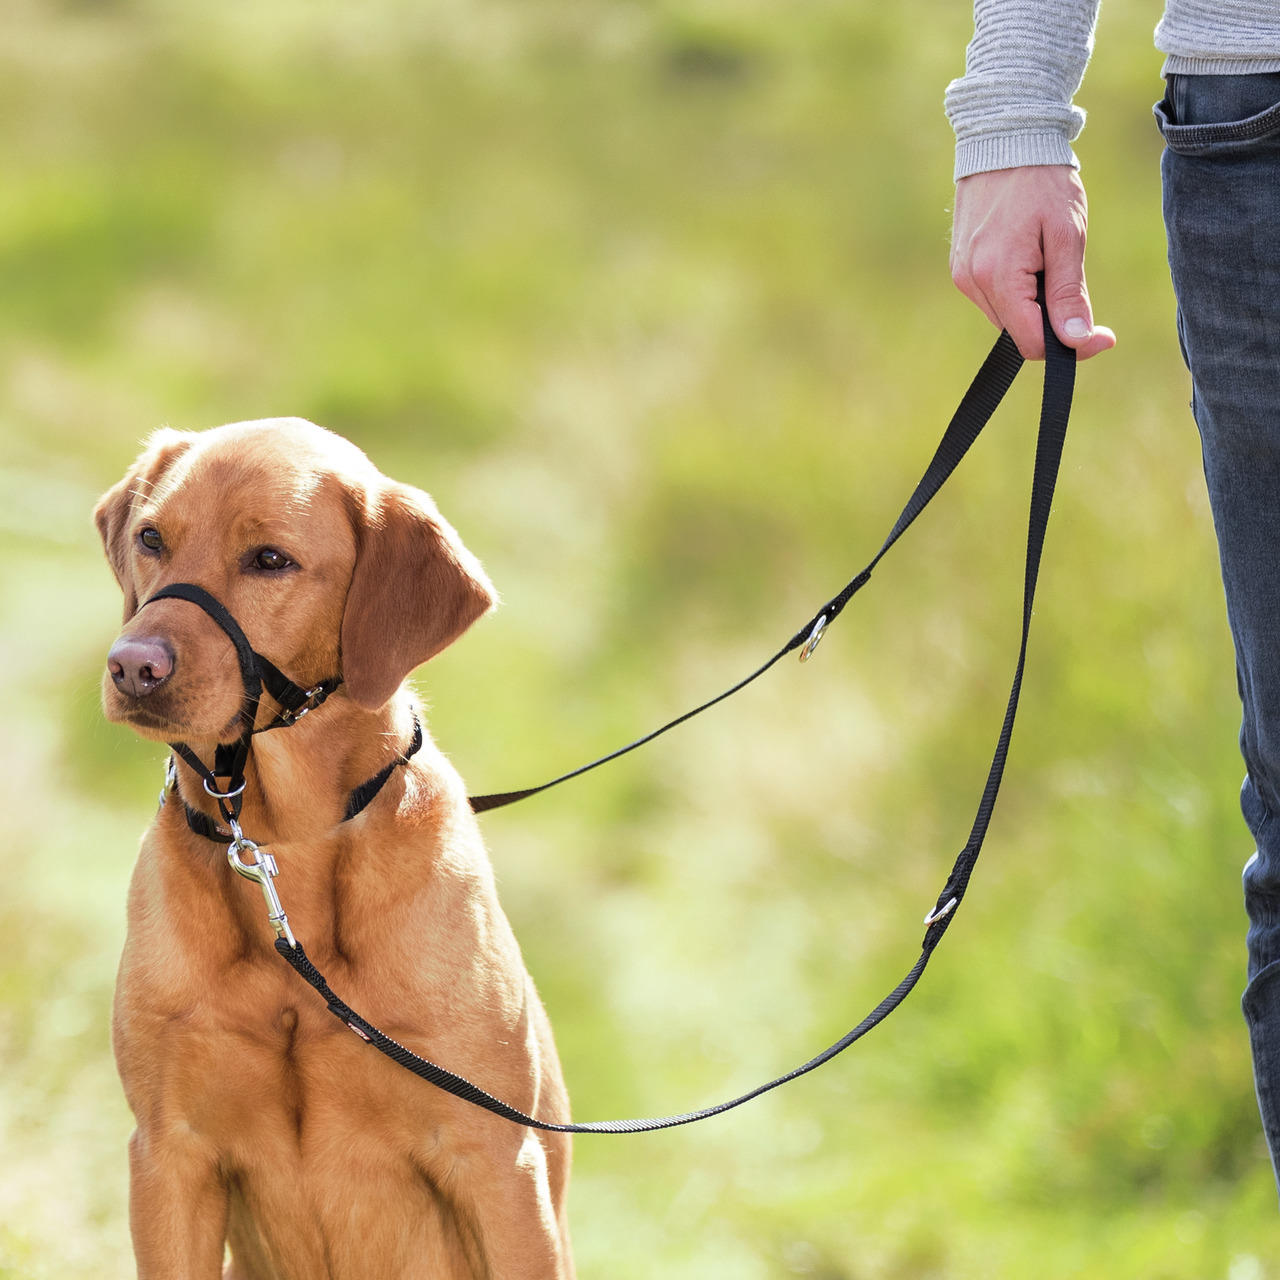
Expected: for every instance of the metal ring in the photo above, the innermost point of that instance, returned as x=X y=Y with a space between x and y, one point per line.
x=937 y=913
x=224 y=795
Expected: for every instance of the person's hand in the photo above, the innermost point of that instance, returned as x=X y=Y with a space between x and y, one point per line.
x=1010 y=224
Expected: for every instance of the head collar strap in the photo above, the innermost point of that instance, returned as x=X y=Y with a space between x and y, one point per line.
x=255 y=671
x=250 y=671
x=357 y=801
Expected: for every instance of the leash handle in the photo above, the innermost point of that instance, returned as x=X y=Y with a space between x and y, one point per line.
x=997 y=373
x=1055 y=411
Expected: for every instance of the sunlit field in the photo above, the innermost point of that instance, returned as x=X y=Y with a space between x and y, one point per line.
x=653 y=298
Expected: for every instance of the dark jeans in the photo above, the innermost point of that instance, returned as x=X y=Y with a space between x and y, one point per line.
x=1221 y=171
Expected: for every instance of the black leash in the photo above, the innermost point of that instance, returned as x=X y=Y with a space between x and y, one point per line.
x=988 y=388
x=985 y=392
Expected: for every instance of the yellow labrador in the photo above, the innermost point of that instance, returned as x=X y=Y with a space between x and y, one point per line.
x=262 y=1124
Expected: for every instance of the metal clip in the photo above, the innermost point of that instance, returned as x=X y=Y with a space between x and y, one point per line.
x=814 y=637
x=260 y=870
x=170 y=780
x=938 y=913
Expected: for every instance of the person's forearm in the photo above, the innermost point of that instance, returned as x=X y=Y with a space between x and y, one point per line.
x=1012 y=107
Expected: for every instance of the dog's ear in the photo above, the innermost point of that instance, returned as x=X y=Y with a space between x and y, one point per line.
x=115 y=507
x=414 y=591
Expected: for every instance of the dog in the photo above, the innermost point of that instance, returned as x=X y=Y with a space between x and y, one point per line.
x=264 y=1126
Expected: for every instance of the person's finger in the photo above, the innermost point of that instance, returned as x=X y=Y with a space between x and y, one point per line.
x=1066 y=295
x=1102 y=339
x=1012 y=291
x=1066 y=291
x=964 y=281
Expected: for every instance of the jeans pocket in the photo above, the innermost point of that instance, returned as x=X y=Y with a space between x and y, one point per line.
x=1261 y=1000
x=1215 y=101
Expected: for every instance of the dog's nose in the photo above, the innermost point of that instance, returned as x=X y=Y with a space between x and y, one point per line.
x=139 y=665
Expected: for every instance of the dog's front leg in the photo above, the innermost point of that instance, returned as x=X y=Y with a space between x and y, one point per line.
x=177 y=1208
x=516 y=1208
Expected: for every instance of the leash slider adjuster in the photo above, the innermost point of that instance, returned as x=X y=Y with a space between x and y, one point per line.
x=938 y=913
x=815 y=636
x=292 y=717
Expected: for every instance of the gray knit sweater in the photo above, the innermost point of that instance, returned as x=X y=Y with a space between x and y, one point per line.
x=1013 y=104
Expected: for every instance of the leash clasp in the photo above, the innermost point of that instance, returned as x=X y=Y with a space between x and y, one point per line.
x=815 y=636
x=261 y=870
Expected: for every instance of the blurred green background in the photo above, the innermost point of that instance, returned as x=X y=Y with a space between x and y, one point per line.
x=652 y=296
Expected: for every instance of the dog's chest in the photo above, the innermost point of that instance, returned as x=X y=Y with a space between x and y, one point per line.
x=287 y=1092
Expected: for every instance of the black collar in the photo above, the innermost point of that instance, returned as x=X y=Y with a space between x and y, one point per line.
x=357 y=801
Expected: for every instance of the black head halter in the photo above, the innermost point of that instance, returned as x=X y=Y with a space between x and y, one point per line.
x=230 y=758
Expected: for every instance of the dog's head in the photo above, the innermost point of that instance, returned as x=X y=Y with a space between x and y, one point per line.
x=328 y=566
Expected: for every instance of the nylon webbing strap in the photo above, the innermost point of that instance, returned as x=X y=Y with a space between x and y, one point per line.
x=1055 y=410
x=255 y=670
x=986 y=392
x=358 y=800
x=462 y=1088
x=231 y=758
x=250 y=673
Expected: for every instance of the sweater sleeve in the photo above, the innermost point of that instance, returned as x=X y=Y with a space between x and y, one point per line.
x=1013 y=105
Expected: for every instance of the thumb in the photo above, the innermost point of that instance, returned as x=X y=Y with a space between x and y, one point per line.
x=1067 y=299
x=1066 y=295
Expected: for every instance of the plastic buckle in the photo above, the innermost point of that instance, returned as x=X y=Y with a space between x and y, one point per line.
x=170 y=780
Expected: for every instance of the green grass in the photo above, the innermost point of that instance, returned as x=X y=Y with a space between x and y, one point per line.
x=653 y=298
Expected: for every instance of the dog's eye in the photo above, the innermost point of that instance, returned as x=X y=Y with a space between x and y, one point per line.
x=151 y=539
x=271 y=560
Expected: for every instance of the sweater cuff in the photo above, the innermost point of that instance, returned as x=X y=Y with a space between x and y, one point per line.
x=1012 y=151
